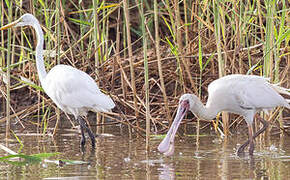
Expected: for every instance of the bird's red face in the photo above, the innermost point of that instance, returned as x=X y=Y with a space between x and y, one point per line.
x=184 y=105
x=167 y=145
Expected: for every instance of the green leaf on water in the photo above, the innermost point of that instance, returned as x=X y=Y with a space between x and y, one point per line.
x=23 y=160
x=26 y=159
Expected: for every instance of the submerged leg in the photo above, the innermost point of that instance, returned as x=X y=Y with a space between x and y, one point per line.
x=242 y=148
x=84 y=125
x=251 y=139
x=265 y=125
x=83 y=138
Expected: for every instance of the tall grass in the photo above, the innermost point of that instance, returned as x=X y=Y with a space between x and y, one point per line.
x=130 y=53
x=218 y=12
x=10 y=53
x=58 y=48
x=146 y=73
x=96 y=41
x=158 y=56
x=268 y=53
x=193 y=43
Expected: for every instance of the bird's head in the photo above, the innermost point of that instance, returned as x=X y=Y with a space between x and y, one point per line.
x=187 y=102
x=25 y=20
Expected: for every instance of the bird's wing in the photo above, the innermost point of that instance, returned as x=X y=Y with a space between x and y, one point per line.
x=85 y=99
x=70 y=87
x=256 y=93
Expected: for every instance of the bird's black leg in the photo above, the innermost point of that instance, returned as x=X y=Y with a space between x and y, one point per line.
x=265 y=125
x=92 y=136
x=251 y=139
x=83 y=138
x=242 y=147
x=84 y=125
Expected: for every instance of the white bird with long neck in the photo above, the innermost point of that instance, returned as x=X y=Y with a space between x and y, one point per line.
x=72 y=90
x=240 y=94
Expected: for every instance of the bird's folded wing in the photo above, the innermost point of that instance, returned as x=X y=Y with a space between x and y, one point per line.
x=258 y=95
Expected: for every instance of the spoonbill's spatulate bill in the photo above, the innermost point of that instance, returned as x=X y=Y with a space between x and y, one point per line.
x=240 y=94
x=72 y=90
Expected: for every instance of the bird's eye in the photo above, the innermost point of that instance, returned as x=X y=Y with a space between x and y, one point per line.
x=184 y=102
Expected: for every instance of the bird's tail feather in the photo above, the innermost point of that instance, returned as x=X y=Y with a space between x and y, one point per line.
x=281 y=90
x=103 y=103
x=288 y=101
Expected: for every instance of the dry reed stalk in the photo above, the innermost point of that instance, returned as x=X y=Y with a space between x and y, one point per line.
x=180 y=44
x=58 y=35
x=158 y=55
x=221 y=64
x=186 y=26
x=14 y=115
x=238 y=37
x=268 y=51
x=146 y=77
x=9 y=58
x=69 y=34
x=223 y=39
x=118 y=59
x=130 y=52
x=97 y=54
x=260 y=20
x=2 y=62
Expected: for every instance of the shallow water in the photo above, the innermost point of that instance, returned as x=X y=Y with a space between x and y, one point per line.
x=117 y=157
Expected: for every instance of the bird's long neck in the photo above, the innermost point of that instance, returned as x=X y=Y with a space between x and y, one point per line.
x=39 y=53
x=204 y=112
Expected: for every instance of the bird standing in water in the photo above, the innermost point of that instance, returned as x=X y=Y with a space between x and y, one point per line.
x=240 y=94
x=72 y=90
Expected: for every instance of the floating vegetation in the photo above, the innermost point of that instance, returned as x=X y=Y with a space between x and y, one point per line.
x=23 y=160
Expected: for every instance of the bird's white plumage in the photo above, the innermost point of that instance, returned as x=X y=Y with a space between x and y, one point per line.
x=243 y=93
x=74 y=91
x=240 y=94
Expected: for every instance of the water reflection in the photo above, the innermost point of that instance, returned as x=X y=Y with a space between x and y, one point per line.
x=118 y=157
x=225 y=164
x=166 y=172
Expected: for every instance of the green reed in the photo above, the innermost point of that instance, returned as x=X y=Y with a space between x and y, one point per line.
x=217 y=11
x=269 y=38
x=8 y=72
x=146 y=74
x=280 y=36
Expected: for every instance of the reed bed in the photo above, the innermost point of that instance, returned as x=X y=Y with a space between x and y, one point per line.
x=144 y=54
